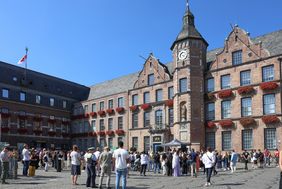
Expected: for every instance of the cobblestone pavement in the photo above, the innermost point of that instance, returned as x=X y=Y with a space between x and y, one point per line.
x=267 y=178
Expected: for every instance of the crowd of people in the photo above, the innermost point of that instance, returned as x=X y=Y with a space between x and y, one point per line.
x=173 y=162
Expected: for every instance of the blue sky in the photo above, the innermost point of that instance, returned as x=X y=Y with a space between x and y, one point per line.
x=91 y=41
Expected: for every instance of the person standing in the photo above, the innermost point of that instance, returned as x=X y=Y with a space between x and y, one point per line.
x=4 y=158
x=59 y=161
x=32 y=164
x=75 y=164
x=91 y=162
x=46 y=160
x=176 y=164
x=121 y=158
x=105 y=162
x=245 y=157
x=276 y=156
x=209 y=161
x=157 y=163
x=234 y=158
x=26 y=159
x=144 y=163
x=169 y=162
x=97 y=155
x=193 y=163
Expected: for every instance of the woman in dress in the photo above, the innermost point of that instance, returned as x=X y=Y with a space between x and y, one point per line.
x=176 y=164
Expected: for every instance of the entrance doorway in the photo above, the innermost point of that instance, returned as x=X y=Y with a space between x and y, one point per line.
x=155 y=147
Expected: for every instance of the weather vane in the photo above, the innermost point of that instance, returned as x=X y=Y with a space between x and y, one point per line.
x=187 y=4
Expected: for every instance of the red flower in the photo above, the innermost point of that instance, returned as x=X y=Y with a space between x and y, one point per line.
x=211 y=124
x=37 y=131
x=86 y=115
x=110 y=111
x=225 y=93
x=92 y=134
x=101 y=133
x=226 y=123
x=133 y=108
x=110 y=132
x=120 y=132
x=5 y=129
x=22 y=130
x=268 y=86
x=245 y=90
x=93 y=114
x=247 y=121
x=101 y=113
x=145 y=106
x=51 y=133
x=120 y=109
x=270 y=119
x=169 y=103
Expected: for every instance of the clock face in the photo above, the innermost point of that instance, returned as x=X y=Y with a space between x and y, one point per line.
x=182 y=54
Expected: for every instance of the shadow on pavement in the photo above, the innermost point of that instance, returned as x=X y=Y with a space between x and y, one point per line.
x=230 y=184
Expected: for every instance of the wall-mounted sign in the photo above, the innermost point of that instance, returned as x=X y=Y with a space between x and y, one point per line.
x=157 y=139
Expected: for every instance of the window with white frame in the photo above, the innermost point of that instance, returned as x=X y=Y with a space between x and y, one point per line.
x=210 y=140
x=170 y=117
x=237 y=57
x=5 y=93
x=120 y=122
x=146 y=143
x=225 y=82
x=226 y=140
x=120 y=102
x=268 y=73
x=93 y=125
x=245 y=78
x=85 y=108
x=210 y=85
x=246 y=106
x=225 y=109
x=94 y=107
x=146 y=97
x=183 y=85
x=269 y=104
x=270 y=141
x=135 y=99
x=102 y=125
x=102 y=105
x=159 y=95
x=247 y=139
x=146 y=119
x=22 y=96
x=134 y=120
x=170 y=93
x=110 y=124
x=159 y=118
x=151 y=79
x=210 y=114
x=111 y=104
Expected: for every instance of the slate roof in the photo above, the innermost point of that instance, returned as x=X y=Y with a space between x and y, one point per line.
x=271 y=41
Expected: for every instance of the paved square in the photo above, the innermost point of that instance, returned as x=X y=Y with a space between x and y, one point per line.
x=259 y=179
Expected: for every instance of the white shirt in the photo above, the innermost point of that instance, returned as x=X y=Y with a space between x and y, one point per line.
x=121 y=156
x=208 y=159
x=144 y=159
x=75 y=158
x=97 y=154
x=26 y=154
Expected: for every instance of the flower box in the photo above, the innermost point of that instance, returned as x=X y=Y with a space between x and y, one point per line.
x=101 y=113
x=120 y=132
x=5 y=129
x=211 y=96
x=93 y=114
x=226 y=123
x=92 y=134
x=133 y=108
x=5 y=115
x=110 y=111
x=22 y=117
x=245 y=90
x=270 y=119
x=51 y=133
x=65 y=135
x=266 y=86
x=120 y=110
x=211 y=124
x=145 y=106
x=225 y=94
x=22 y=130
x=110 y=132
x=169 y=103
x=247 y=121
x=86 y=116
x=37 y=131
x=101 y=133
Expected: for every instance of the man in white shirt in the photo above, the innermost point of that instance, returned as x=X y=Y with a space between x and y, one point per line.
x=97 y=155
x=208 y=160
x=26 y=159
x=121 y=158
x=75 y=164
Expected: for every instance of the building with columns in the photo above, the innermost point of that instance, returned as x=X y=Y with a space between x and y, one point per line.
x=227 y=98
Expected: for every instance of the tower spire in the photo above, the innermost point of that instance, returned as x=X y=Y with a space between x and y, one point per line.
x=187 y=5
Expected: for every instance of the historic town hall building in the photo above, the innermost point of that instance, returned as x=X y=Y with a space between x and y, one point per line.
x=227 y=98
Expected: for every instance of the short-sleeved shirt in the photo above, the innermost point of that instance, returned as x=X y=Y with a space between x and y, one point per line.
x=121 y=156
x=75 y=158
x=26 y=154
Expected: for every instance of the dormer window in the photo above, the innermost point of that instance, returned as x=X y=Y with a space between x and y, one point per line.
x=237 y=57
x=151 y=79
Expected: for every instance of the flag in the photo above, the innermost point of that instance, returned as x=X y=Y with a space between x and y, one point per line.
x=23 y=59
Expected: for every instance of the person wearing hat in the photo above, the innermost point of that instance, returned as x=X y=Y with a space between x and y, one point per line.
x=90 y=160
x=105 y=162
x=4 y=158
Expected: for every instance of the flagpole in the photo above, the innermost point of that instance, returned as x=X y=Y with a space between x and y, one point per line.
x=25 y=72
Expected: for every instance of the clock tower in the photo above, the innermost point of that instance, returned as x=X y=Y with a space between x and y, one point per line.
x=189 y=59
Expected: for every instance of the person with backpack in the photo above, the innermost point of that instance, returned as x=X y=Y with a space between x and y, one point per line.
x=193 y=163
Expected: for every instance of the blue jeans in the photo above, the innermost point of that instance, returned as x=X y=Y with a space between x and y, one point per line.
x=156 y=167
x=121 y=173
x=25 y=167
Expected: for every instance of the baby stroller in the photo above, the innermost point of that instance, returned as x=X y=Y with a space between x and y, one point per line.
x=137 y=164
